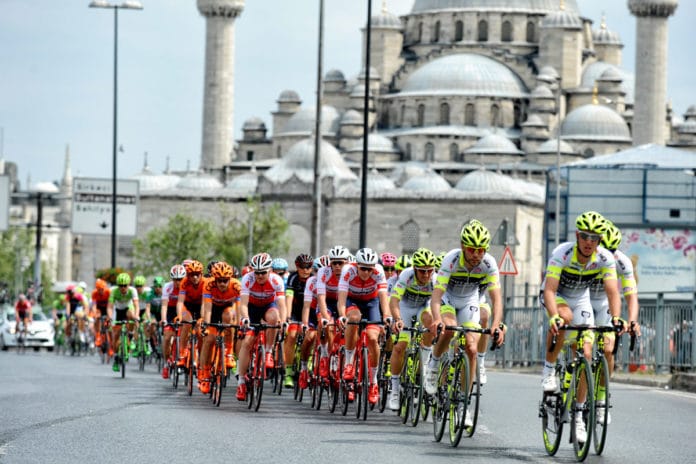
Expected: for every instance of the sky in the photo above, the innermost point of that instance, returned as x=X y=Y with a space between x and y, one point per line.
x=56 y=83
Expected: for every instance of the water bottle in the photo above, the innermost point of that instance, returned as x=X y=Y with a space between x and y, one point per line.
x=568 y=376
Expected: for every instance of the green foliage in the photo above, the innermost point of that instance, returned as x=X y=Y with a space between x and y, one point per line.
x=16 y=244
x=109 y=274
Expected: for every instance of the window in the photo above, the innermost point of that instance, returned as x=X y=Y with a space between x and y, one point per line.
x=444 y=114
x=402 y=116
x=421 y=115
x=588 y=153
x=495 y=116
x=250 y=156
x=420 y=32
x=531 y=32
x=407 y=153
x=436 y=32
x=483 y=31
x=506 y=32
x=429 y=152
x=410 y=236
x=517 y=114
x=458 y=31
x=469 y=115
x=454 y=152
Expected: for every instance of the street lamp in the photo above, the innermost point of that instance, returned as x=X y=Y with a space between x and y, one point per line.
x=41 y=190
x=556 y=79
x=127 y=5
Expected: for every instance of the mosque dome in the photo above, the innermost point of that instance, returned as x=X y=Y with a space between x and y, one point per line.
x=494 y=144
x=488 y=184
x=352 y=117
x=605 y=36
x=254 y=123
x=562 y=19
x=595 y=122
x=688 y=127
x=465 y=74
x=542 y=91
x=385 y=20
x=289 y=96
x=595 y=70
x=526 y=6
x=611 y=75
x=244 y=184
x=198 y=181
x=304 y=121
x=376 y=183
x=299 y=161
x=550 y=147
x=690 y=112
x=376 y=143
x=148 y=181
x=334 y=75
x=405 y=171
x=533 y=120
x=429 y=181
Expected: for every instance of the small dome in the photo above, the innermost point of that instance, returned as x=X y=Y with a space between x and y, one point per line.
x=494 y=144
x=542 y=91
x=604 y=36
x=376 y=143
x=484 y=181
x=299 y=161
x=526 y=6
x=611 y=75
x=44 y=187
x=548 y=71
x=198 y=181
x=549 y=147
x=533 y=121
x=429 y=181
x=690 y=111
x=254 y=123
x=405 y=171
x=376 y=182
x=245 y=183
x=352 y=117
x=385 y=20
x=595 y=122
x=561 y=19
x=373 y=73
x=595 y=70
x=688 y=127
x=304 y=121
x=148 y=181
x=465 y=74
x=359 y=91
x=289 y=96
x=334 y=75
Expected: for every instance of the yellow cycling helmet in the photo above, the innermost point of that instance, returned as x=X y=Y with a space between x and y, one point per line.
x=474 y=234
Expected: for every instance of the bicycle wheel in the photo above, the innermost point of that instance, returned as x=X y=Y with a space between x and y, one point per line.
x=364 y=378
x=279 y=363
x=582 y=374
x=383 y=379
x=440 y=402
x=249 y=379
x=406 y=392
x=259 y=376
x=416 y=387
x=601 y=382
x=317 y=380
x=473 y=403
x=124 y=353
x=551 y=411
x=459 y=398
x=141 y=351
x=333 y=394
x=190 y=365
x=218 y=375
x=173 y=364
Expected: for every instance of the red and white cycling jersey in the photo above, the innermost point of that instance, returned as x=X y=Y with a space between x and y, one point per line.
x=327 y=283
x=362 y=290
x=263 y=294
x=310 y=293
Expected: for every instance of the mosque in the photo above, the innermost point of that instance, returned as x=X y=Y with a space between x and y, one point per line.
x=471 y=102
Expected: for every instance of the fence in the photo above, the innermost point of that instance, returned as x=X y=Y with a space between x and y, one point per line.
x=666 y=342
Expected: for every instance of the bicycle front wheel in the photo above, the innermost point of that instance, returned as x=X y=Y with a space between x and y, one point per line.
x=440 y=401
x=582 y=376
x=601 y=384
x=473 y=404
x=364 y=379
x=124 y=354
x=416 y=387
x=459 y=398
x=259 y=376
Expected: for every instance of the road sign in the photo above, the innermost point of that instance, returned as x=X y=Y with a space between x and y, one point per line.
x=91 y=210
x=507 y=264
x=4 y=202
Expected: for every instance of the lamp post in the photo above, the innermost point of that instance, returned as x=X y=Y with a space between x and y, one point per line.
x=366 y=115
x=556 y=79
x=40 y=191
x=127 y=5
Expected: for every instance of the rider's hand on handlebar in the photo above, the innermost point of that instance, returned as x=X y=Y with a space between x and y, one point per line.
x=245 y=322
x=554 y=323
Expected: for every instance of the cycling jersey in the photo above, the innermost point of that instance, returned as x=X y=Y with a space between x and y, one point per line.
x=295 y=287
x=155 y=301
x=101 y=300
x=359 y=289
x=391 y=281
x=574 y=278
x=23 y=308
x=193 y=295
x=409 y=292
x=169 y=293
x=76 y=300
x=327 y=283
x=598 y=297
x=142 y=299
x=221 y=300
x=310 y=295
x=462 y=286
x=262 y=294
x=122 y=302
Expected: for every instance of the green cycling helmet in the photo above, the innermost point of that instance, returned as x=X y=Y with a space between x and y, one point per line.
x=402 y=263
x=139 y=281
x=158 y=281
x=438 y=259
x=423 y=257
x=612 y=237
x=474 y=234
x=591 y=221
x=123 y=279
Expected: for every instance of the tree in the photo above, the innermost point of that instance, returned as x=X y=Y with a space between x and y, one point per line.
x=15 y=248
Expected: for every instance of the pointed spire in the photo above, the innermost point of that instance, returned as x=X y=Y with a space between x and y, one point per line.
x=166 y=167
x=595 y=92
x=145 y=166
x=603 y=24
x=384 y=6
x=562 y=5
x=67 y=172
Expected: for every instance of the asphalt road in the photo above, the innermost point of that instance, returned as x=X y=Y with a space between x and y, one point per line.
x=59 y=409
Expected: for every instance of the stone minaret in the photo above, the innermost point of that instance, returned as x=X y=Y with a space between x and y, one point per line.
x=64 y=219
x=650 y=107
x=218 y=98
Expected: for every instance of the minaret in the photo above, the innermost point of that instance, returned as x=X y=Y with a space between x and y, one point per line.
x=650 y=107
x=218 y=98
x=64 y=220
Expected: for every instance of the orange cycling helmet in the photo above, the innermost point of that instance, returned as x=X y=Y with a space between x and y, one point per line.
x=194 y=267
x=100 y=284
x=221 y=270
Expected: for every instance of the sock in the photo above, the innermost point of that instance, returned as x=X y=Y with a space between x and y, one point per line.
x=288 y=370
x=548 y=369
x=303 y=365
x=434 y=361
x=601 y=393
x=324 y=349
x=373 y=375
x=349 y=356
x=481 y=359
x=395 y=383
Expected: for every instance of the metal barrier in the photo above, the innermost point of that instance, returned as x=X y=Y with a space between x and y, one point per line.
x=666 y=343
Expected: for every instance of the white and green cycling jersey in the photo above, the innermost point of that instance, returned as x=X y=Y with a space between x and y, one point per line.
x=121 y=301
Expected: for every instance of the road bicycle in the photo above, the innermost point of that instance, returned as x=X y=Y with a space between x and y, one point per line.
x=560 y=407
x=191 y=362
x=456 y=392
x=173 y=361
x=298 y=392
x=384 y=367
x=411 y=377
x=141 y=348
x=21 y=335
x=218 y=369
x=277 y=373
x=123 y=348
x=256 y=373
x=336 y=362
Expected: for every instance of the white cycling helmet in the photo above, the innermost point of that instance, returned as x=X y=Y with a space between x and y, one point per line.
x=366 y=256
x=177 y=272
x=261 y=262
x=339 y=252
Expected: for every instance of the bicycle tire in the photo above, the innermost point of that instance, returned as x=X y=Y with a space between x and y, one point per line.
x=124 y=352
x=582 y=371
x=259 y=376
x=551 y=412
x=219 y=374
x=405 y=392
x=279 y=363
x=141 y=353
x=190 y=364
x=173 y=363
x=601 y=379
x=383 y=380
x=319 y=385
x=416 y=389
x=473 y=403
x=248 y=379
x=334 y=382
x=459 y=399
x=440 y=402
x=364 y=383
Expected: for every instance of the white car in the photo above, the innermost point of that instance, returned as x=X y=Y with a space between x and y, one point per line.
x=41 y=331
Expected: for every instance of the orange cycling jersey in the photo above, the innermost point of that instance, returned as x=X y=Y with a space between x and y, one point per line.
x=101 y=299
x=192 y=293
x=225 y=298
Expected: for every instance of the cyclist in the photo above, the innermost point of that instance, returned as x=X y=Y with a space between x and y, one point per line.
x=100 y=301
x=464 y=274
x=280 y=267
x=262 y=298
x=188 y=305
x=143 y=311
x=220 y=300
x=401 y=263
x=624 y=270
x=153 y=299
x=411 y=298
x=294 y=300
x=170 y=297
x=388 y=262
x=566 y=297
x=362 y=294
x=23 y=314
x=310 y=312
x=327 y=288
x=75 y=302
x=123 y=302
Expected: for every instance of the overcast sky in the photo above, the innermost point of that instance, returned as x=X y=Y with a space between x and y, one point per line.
x=56 y=83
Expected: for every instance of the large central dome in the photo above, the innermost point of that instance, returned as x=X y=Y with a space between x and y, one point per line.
x=536 y=6
x=465 y=74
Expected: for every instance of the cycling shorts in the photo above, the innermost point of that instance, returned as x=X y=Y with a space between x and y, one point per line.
x=467 y=314
x=368 y=309
x=257 y=313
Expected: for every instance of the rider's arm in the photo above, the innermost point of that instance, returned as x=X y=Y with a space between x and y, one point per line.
x=280 y=301
x=180 y=305
x=384 y=304
x=206 y=310
x=550 y=289
x=394 y=308
x=341 y=302
x=497 y=309
x=435 y=303
x=305 y=313
x=244 y=307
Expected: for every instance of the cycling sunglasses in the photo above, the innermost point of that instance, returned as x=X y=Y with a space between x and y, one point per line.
x=589 y=236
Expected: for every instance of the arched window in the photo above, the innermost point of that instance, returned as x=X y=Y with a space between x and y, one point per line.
x=436 y=32
x=531 y=32
x=454 y=152
x=517 y=114
x=458 y=31
x=429 y=152
x=469 y=115
x=407 y=153
x=444 y=114
x=495 y=116
x=420 y=32
x=483 y=31
x=506 y=32
x=402 y=116
x=410 y=237
x=421 y=115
